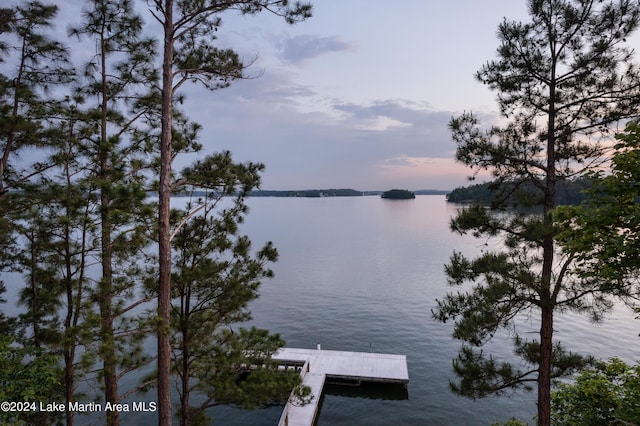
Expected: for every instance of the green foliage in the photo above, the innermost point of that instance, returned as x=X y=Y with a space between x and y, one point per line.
x=6 y=323
x=195 y=23
x=41 y=65
x=482 y=375
x=85 y=199
x=398 y=194
x=241 y=372
x=607 y=394
x=561 y=79
x=89 y=181
x=28 y=375
x=215 y=276
x=511 y=422
x=189 y=28
x=603 y=233
x=116 y=89
x=480 y=193
x=568 y=192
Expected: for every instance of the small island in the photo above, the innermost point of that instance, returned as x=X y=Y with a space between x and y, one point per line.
x=398 y=194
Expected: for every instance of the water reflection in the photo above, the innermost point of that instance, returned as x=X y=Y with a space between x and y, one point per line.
x=386 y=391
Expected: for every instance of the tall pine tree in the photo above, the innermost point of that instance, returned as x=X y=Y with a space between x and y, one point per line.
x=119 y=79
x=35 y=63
x=188 y=53
x=215 y=276
x=31 y=240
x=562 y=80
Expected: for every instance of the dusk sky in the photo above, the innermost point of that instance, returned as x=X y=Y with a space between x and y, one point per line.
x=359 y=96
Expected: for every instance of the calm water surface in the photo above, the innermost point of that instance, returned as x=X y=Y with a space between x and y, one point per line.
x=363 y=273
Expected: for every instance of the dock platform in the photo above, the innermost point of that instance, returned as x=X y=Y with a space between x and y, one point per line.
x=318 y=365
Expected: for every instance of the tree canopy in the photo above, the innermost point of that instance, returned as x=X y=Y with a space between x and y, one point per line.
x=603 y=232
x=81 y=145
x=606 y=394
x=189 y=54
x=568 y=191
x=564 y=80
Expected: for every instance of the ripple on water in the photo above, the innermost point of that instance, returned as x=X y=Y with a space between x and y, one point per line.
x=363 y=274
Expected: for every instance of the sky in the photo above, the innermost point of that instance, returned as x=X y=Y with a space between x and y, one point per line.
x=358 y=96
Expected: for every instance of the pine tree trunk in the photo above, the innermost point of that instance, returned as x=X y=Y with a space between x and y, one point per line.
x=69 y=343
x=69 y=334
x=35 y=301
x=108 y=340
x=544 y=374
x=164 y=245
x=106 y=284
x=546 y=299
x=69 y=355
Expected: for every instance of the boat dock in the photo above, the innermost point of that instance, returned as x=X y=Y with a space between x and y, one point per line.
x=317 y=365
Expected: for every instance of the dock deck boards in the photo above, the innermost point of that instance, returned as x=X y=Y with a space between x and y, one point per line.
x=322 y=364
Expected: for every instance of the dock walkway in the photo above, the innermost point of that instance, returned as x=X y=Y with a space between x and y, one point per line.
x=319 y=365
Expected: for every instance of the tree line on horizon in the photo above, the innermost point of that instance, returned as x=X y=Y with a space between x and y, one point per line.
x=569 y=192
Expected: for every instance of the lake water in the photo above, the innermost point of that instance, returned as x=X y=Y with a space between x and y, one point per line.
x=362 y=274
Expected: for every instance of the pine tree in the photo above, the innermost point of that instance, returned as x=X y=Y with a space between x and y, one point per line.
x=215 y=277
x=189 y=54
x=30 y=239
x=120 y=78
x=40 y=63
x=37 y=63
x=63 y=208
x=563 y=80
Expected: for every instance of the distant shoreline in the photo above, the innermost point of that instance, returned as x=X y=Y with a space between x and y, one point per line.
x=317 y=193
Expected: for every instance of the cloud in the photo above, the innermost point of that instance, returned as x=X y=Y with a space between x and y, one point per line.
x=304 y=47
x=382 y=123
x=432 y=172
x=310 y=141
x=415 y=128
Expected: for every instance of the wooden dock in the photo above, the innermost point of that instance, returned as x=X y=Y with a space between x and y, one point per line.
x=318 y=365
